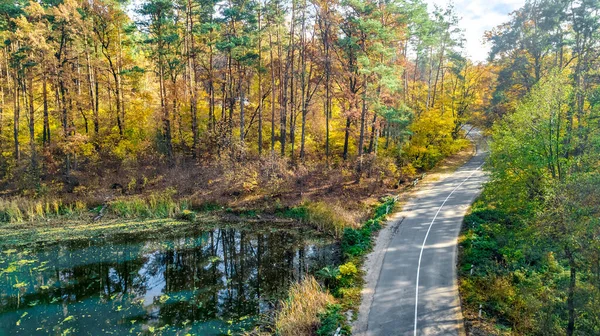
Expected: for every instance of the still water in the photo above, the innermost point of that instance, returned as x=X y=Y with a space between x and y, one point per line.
x=214 y=282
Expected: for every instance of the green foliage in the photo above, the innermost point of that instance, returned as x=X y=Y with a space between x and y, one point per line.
x=356 y=242
x=332 y=319
x=528 y=147
x=297 y=213
x=530 y=247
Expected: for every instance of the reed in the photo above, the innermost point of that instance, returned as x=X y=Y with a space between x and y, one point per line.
x=21 y=209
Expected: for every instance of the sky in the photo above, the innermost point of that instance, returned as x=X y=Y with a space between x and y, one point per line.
x=477 y=17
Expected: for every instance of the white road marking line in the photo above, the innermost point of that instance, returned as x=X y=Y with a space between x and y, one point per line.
x=425 y=241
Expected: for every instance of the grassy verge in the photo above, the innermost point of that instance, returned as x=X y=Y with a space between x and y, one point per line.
x=306 y=311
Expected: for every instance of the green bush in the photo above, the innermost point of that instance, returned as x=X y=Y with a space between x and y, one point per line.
x=298 y=213
x=332 y=319
x=187 y=215
x=329 y=275
x=356 y=242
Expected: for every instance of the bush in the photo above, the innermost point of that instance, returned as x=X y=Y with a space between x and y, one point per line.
x=187 y=215
x=332 y=319
x=298 y=213
x=356 y=242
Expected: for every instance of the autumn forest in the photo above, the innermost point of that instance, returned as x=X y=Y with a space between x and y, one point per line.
x=99 y=83
x=225 y=166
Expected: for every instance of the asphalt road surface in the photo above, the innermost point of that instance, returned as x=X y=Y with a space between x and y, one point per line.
x=416 y=291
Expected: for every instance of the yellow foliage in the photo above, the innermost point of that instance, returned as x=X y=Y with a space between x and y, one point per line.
x=348 y=269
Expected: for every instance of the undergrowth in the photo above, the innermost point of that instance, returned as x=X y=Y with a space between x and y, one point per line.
x=21 y=209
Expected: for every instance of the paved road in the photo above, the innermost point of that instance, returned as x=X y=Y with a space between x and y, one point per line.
x=416 y=291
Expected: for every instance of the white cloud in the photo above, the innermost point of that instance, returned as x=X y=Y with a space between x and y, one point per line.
x=478 y=16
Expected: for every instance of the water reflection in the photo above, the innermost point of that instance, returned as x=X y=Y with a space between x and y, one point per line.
x=207 y=283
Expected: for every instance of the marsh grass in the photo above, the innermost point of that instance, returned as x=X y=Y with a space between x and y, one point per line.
x=21 y=209
x=156 y=205
x=330 y=218
x=299 y=314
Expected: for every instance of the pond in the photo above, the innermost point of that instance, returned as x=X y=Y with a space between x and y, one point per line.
x=213 y=282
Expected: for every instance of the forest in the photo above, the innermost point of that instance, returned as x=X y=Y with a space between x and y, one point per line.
x=98 y=94
x=124 y=117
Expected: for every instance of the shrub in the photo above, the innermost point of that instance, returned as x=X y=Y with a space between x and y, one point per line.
x=298 y=213
x=356 y=242
x=329 y=275
x=348 y=269
x=299 y=314
x=332 y=319
x=187 y=215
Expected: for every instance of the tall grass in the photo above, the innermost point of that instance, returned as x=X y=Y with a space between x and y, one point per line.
x=299 y=314
x=21 y=209
x=329 y=218
x=157 y=205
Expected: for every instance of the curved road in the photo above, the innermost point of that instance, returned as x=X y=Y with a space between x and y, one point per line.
x=412 y=286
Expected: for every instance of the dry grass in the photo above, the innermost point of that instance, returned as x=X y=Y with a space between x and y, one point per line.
x=299 y=313
x=22 y=209
x=329 y=217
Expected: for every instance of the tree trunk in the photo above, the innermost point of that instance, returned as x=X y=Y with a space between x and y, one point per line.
x=272 y=95
x=165 y=117
x=260 y=88
x=363 y=116
x=241 y=95
x=32 y=125
x=373 y=139
x=192 y=78
x=346 y=138
x=16 y=115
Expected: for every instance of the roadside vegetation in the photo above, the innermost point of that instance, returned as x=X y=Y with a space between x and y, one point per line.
x=530 y=260
x=530 y=247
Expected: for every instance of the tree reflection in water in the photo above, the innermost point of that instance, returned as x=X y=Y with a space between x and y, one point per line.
x=208 y=282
